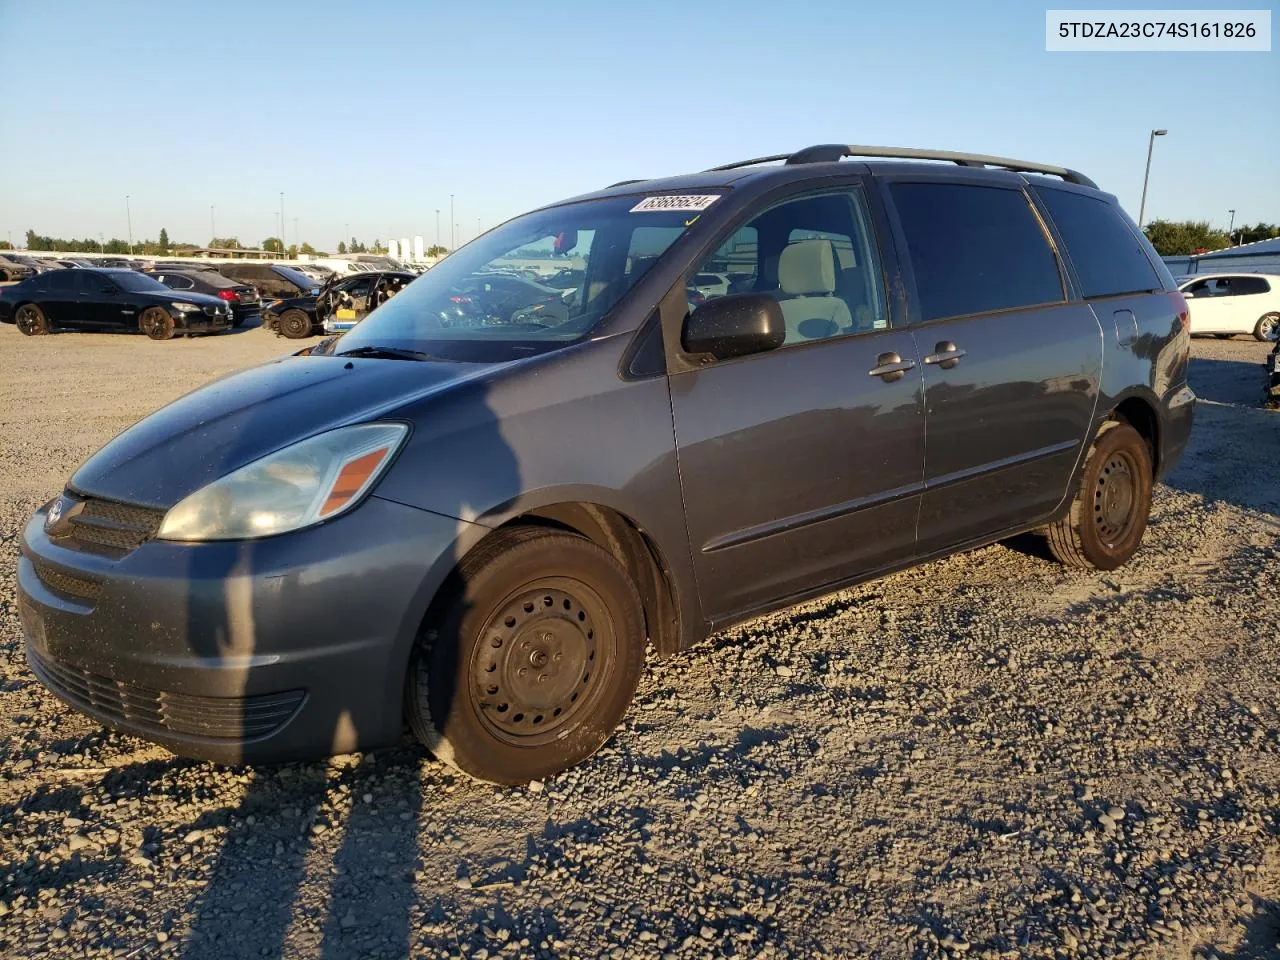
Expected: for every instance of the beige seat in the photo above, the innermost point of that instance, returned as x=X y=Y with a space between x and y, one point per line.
x=807 y=279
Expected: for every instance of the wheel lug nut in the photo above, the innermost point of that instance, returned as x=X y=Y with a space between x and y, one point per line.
x=556 y=657
x=521 y=672
x=542 y=678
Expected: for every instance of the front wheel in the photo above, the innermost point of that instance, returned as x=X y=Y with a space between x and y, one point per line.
x=294 y=324
x=157 y=323
x=1109 y=513
x=1267 y=326
x=31 y=321
x=530 y=665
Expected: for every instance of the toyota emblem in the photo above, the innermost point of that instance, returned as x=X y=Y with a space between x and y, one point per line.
x=55 y=513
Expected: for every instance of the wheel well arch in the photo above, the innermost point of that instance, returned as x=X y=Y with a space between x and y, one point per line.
x=1140 y=414
x=639 y=555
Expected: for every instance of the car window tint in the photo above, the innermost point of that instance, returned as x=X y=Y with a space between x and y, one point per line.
x=361 y=287
x=815 y=254
x=975 y=249
x=59 y=281
x=1107 y=254
x=1247 y=286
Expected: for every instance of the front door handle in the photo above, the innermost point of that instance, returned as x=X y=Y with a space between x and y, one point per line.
x=890 y=367
x=945 y=354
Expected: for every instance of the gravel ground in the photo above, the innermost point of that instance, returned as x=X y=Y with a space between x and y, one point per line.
x=988 y=756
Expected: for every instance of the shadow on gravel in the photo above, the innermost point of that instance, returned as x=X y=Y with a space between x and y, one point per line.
x=1231 y=457
x=1227 y=381
x=1261 y=934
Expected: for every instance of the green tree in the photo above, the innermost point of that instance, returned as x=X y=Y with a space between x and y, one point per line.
x=435 y=250
x=1259 y=231
x=164 y=240
x=342 y=246
x=292 y=252
x=5 y=245
x=33 y=240
x=1184 y=237
x=272 y=245
x=225 y=243
x=307 y=249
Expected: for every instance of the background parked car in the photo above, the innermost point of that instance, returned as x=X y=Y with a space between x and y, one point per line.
x=242 y=298
x=119 y=263
x=346 y=301
x=73 y=264
x=288 y=296
x=487 y=298
x=1227 y=304
x=12 y=269
x=116 y=301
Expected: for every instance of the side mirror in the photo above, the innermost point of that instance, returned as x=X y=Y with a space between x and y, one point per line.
x=735 y=326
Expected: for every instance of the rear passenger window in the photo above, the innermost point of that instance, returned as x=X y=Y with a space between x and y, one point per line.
x=1246 y=286
x=975 y=249
x=1108 y=257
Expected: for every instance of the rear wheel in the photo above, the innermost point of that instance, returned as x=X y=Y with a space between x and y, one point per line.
x=530 y=665
x=156 y=323
x=1109 y=513
x=31 y=320
x=1265 y=328
x=294 y=324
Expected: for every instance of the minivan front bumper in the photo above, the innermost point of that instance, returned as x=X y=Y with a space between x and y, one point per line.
x=288 y=648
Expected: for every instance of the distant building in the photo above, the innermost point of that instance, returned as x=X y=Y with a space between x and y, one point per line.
x=231 y=253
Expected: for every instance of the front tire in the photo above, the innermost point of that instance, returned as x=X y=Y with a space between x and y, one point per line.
x=157 y=323
x=1266 y=326
x=1109 y=513
x=31 y=321
x=294 y=324
x=529 y=665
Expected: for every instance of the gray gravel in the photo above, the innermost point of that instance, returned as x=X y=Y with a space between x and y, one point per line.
x=989 y=756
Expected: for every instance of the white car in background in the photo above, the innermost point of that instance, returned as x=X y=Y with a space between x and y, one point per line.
x=711 y=284
x=1224 y=304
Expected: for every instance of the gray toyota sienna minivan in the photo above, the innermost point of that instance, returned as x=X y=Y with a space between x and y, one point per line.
x=472 y=511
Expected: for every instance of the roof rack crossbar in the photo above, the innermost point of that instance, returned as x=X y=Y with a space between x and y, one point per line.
x=828 y=152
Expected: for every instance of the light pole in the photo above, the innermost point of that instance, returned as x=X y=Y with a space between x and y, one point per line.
x=102 y=246
x=129 y=221
x=279 y=232
x=1142 y=207
x=1231 y=236
x=437 y=226
x=453 y=228
x=282 y=243
x=296 y=237
x=213 y=231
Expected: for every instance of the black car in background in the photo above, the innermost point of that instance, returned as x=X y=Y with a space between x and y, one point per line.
x=345 y=301
x=12 y=269
x=115 y=301
x=288 y=296
x=242 y=298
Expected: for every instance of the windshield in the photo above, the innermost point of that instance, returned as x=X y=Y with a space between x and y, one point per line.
x=137 y=283
x=488 y=301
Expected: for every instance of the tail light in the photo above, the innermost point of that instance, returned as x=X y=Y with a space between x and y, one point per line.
x=228 y=295
x=697 y=296
x=1184 y=312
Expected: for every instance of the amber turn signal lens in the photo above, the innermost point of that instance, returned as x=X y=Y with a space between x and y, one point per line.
x=351 y=480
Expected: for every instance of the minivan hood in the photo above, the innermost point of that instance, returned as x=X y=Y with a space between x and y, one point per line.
x=246 y=415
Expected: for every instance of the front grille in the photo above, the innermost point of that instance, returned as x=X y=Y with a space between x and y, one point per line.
x=211 y=310
x=159 y=711
x=107 y=523
x=64 y=583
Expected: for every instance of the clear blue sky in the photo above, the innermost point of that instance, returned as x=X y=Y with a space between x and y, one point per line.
x=374 y=113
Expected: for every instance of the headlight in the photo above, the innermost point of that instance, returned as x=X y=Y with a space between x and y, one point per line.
x=312 y=480
x=185 y=307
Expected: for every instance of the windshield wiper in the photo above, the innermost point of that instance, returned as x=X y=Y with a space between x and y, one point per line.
x=387 y=353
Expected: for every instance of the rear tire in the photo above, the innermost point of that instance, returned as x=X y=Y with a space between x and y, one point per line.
x=156 y=323
x=1109 y=513
x=528 y=666
x=294 y=324
x=1266 y=326
x=31 y=321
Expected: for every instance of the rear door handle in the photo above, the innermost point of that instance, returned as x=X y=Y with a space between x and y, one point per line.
x=890 y=367
x=945 y=354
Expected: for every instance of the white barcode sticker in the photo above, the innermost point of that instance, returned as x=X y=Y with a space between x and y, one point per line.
x=682 y=201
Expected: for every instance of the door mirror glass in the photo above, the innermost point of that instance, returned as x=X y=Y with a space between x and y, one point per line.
x=735 y=326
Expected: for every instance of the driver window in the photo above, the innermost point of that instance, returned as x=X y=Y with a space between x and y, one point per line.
x=815 y=255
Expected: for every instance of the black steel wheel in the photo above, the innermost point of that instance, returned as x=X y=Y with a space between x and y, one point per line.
x=1108 y=515
x=294 y=324
x=157 y=323
x=533 y=660
x=31 y=321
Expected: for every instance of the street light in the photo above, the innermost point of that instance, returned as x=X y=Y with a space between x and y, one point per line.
x=129 y=220
x=1231 y=237
x=213 y=231
x=453 y=241
x=1151 y=140
x=282 y=223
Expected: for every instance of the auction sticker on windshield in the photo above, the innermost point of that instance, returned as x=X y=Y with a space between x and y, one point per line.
x=697 y=201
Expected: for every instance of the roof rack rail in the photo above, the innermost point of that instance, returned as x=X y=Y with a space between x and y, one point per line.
x=623 y=183
x=828 y=152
